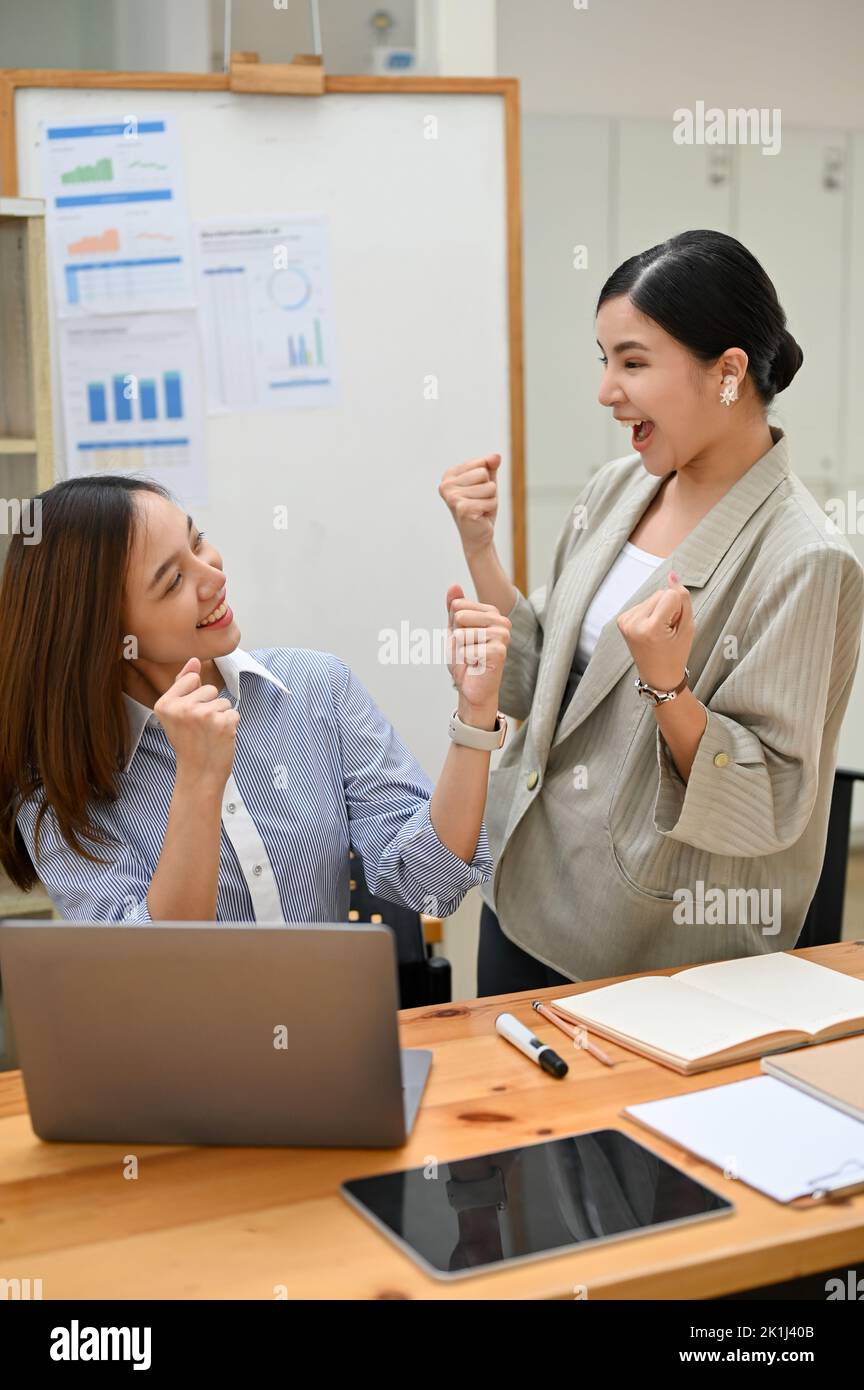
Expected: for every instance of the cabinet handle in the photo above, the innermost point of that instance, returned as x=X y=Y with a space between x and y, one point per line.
x=834 y=169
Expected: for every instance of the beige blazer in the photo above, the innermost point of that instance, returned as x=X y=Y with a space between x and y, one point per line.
x=601 y=847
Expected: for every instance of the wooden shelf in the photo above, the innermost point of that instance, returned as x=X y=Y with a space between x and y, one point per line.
x=18 y=446
x=22 y=207
x=25 y=382
x=16 y=904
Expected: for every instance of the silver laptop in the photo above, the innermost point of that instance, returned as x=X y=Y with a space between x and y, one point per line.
x=191 y=1033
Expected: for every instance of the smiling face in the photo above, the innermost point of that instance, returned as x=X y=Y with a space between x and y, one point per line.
x=649 y=376
x=174 y=583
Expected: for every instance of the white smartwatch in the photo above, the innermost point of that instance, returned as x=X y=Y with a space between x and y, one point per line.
x=471 y=737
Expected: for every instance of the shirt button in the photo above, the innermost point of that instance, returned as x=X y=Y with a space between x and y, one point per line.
x=231 y=808
x=256 y=869
x=533 y=779
x=721 y=759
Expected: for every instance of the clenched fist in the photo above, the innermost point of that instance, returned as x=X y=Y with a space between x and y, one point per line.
x=471 y=492
x=478 y=636
x=199 y=726
x=659 y=633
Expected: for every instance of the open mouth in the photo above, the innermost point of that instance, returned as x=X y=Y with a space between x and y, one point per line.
x=220 y=617
x=642 y=429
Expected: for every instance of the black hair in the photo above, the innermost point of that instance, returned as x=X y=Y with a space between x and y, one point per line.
x=710 y=293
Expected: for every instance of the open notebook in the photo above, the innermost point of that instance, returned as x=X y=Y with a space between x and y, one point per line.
x=713 y=1015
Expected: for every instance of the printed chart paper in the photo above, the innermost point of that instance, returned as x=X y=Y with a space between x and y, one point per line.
x=133 y=399
x=267 y=317
x=118 y=229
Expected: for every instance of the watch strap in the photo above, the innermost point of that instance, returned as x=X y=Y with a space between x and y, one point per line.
x=470 y=737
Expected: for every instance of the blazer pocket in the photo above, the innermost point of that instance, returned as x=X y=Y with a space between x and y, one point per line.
x=503 y=781
x=646 y=861
x=655 y=894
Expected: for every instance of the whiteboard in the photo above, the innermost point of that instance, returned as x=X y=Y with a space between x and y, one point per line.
x=418 y=248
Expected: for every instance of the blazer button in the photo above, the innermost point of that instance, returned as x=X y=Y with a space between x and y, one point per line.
x=721 y=759
x=533 y=779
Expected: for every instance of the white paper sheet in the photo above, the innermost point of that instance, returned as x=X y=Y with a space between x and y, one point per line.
x=771 y=1136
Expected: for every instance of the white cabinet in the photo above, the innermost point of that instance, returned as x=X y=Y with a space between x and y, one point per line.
x=791 y=212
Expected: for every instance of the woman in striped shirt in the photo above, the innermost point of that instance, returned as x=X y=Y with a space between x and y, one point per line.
x=150 y=769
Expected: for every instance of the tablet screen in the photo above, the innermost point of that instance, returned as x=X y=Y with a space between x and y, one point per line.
x=478 y=1213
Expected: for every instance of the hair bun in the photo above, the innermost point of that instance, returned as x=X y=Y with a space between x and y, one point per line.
x=786 y=361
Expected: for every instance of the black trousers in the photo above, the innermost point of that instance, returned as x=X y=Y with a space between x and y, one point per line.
x=503 y=967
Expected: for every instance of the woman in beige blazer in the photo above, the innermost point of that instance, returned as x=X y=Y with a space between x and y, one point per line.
x=683 y=819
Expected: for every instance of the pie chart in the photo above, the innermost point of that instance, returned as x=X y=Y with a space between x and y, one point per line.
x=289 y=288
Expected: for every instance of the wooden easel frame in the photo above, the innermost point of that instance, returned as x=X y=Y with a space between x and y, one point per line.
x=11 y=79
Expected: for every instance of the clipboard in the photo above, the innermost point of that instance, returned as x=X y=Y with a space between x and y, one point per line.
x=778 y=1140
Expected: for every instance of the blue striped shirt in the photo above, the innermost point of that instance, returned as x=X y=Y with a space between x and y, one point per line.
x=317 y=768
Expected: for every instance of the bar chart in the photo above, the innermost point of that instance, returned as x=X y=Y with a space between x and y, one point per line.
x=299 y=355
x=133 y=398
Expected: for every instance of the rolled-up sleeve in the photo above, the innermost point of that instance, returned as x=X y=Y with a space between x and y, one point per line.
x=387 y=795
x=81 y=891
x=755 y=777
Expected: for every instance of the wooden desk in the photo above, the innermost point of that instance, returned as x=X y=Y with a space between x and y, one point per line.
x=234 y=1223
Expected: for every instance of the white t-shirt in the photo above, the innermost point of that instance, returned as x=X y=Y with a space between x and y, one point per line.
x=628 y=572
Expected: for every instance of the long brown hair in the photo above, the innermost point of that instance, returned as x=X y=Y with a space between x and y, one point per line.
x=63 y=726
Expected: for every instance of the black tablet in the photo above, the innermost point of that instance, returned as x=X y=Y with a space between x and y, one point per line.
x=475 y=1214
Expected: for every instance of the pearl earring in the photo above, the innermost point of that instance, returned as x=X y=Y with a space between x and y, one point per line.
x=730 y=390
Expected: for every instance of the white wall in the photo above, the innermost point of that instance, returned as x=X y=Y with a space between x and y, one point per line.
x=467 y=37
x=630 y=58
x=161 y=36
x=51 y=34
x=187 y=35
x=277 y=34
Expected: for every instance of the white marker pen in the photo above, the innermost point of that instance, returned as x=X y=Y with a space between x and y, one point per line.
x=522 y=1037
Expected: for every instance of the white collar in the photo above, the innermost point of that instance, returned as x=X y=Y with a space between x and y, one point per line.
x=229 y=667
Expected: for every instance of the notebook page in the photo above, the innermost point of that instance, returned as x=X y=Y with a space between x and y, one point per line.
x=668 y=1016
x=796 y=993
x=771 y=1136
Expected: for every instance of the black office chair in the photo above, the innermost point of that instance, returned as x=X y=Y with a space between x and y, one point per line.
x=824 y=920
x=423 y=978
